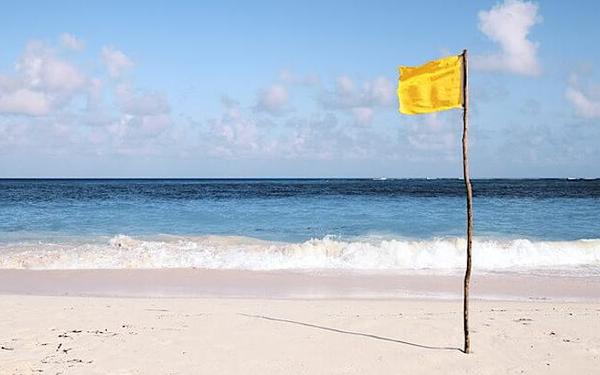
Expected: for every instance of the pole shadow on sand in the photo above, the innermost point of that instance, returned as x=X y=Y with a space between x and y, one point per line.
x=351 y=333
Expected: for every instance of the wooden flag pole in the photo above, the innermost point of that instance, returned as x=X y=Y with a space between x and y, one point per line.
x=467 y=281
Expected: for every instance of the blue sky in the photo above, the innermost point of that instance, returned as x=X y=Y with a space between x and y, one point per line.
x=265 y=89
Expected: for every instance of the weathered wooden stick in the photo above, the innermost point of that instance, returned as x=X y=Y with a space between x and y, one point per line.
x=467 y=281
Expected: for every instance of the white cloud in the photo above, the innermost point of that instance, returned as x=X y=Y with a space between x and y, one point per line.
x=43 y=70
x=55 y=91
x=378 y=92
x=133 y=135
x=94 y=93
x=344 y=85
x=237 y=134
x=231 y=136
x=381 y=91
x=116 y=61
x=152 y=125
x=585 y=106
x=24 y=101
x=360 y=100
x=273 y=100
x=509 y=24
x=41 y=83
x=71 y=42
x=70 y=114
x=140 y=103
x=143 y=115
x=431 y=138
x=232 y=107
x=362 y=115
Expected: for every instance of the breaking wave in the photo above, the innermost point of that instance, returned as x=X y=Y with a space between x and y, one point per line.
x=244 y=253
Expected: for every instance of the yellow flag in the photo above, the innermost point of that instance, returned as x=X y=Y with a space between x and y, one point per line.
x=435 y=86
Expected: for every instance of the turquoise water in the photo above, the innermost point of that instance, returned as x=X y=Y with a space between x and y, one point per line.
x=66 y=217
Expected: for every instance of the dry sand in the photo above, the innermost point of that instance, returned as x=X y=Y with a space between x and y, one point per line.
x=331 y=335
x=92 y=335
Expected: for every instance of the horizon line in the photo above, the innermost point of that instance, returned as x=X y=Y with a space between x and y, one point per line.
x=299 y=178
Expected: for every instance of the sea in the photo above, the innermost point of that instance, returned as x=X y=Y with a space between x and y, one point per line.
x=342 y=225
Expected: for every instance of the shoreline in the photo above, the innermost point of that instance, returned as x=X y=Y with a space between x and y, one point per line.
x=322 y=285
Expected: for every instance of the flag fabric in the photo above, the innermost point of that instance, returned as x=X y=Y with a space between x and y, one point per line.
x=435 y=86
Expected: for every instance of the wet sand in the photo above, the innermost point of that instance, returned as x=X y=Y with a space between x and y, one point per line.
x=286 y=284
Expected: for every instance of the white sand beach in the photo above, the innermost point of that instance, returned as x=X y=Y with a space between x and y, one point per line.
x=265 y=335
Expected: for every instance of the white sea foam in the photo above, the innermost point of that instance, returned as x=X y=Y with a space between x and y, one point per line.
x=370 y=253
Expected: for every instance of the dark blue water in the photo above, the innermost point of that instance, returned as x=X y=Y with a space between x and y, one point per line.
x=297 y=210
